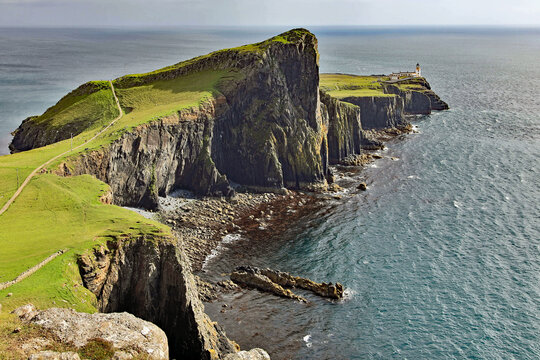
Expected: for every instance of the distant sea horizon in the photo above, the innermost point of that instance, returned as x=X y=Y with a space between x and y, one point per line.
x=39 y=65
x=440 y=256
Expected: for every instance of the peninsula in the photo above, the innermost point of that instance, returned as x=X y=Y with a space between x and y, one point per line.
x=242 y=127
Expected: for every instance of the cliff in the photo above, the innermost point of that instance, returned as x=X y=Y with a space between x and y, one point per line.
x=346 y=135
x=383 y=103
x=257 y=119
x=261 y=128
x=418 y=98
x=151 y=279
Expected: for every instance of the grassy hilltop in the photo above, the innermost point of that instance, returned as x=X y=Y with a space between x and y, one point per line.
x=54 y=213
x=342 y=86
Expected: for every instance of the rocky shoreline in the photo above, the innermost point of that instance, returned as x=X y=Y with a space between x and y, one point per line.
x=203 y=224
x=267 y=150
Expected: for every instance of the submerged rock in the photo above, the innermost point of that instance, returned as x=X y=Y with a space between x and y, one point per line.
x=274 y=281
x=249 y=277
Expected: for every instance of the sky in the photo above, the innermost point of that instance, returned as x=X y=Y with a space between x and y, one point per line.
x=166 y=13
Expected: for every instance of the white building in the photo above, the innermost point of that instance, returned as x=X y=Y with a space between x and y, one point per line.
x=406 y=74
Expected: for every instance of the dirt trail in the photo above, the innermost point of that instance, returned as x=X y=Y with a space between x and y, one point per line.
x=36 y=170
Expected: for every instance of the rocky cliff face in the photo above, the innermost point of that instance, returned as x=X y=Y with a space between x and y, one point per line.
x=346 y=135
x=151 y=279
x=265 y=131
x=419 y=101
x=379 y=112
x=272 y=134
x=157 y=157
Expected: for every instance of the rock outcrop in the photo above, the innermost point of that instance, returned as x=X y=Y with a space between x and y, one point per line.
x=125 y=333
x=274 y=282
x=253 y=354
x=265 y=131
x=379 y=112
x=419 y=99
x=346 y=135
x=151 y=279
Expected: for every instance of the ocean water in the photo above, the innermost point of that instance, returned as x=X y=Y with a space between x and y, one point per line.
x=440 y=257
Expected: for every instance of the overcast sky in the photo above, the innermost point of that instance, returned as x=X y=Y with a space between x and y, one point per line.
x=112 y=13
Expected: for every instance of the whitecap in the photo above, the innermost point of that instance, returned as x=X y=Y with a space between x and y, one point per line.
x=307 y=339
x=227 y=239
x=348 y=294
x=214 y=253
x=458 y=204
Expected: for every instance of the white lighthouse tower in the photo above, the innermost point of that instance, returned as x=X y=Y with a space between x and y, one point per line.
x=418 y=71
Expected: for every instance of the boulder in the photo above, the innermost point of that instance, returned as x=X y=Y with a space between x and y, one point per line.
x=121 y=330
x=253 y=354
x=362 y=186
x=26 y=312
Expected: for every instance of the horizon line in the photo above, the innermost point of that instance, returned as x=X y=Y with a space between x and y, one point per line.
x=336 y=26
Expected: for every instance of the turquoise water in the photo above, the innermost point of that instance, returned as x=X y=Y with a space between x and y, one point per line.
x=442 y=253
x=441 y=256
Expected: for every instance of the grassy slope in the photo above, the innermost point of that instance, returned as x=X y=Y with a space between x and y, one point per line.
x=54 y=213
x=341 y=86
x=147 y=103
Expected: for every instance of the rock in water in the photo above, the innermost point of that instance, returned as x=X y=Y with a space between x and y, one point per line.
x=274 y=282
x=362 y=186
x=245 y=276
x=122 y=330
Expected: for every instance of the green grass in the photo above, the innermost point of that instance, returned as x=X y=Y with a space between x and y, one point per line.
x=81 y=112
x=342 y=86
x=161 y=98
x=55 y=213
x=257 y=48
x=142 y=104
x=409 y=87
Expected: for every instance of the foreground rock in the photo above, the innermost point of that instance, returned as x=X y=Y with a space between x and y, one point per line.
x=126 y=333
x=152 y=279
x=253 y=354
x=274 y=282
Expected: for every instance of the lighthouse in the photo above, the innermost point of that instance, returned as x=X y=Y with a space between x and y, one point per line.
x=418 y=72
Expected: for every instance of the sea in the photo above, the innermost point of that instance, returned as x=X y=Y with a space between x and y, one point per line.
x=440 y=257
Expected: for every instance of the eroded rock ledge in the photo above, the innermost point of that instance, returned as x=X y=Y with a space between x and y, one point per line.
x=127 y=335
x=151 y=279
x=276 y=282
